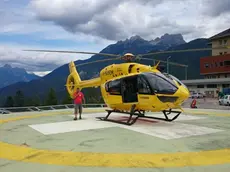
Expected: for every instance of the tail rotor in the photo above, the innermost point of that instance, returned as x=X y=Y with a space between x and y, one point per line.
x=73 y=80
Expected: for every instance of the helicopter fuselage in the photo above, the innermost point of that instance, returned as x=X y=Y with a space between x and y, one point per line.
x=126 y=84
x=131 y=83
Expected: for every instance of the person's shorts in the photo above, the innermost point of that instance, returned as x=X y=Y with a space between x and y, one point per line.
x=78 y=108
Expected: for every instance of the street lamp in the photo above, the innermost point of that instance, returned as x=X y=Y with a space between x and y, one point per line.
x=168 y=64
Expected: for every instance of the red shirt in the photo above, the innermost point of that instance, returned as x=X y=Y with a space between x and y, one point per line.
x=79 y=96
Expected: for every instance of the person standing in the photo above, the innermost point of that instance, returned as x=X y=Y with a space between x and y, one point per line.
x=78 y=99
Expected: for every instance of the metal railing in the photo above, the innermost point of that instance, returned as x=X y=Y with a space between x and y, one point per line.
x=6 y=110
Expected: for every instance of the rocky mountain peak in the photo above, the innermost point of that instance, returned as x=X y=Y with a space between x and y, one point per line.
x=7 y=66
x=10 y=75
x=169 y=39
x=135 y=37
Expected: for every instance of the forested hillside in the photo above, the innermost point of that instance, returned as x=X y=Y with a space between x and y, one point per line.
x=40 y=89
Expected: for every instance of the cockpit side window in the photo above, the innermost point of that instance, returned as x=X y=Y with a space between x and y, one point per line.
x=113 y=87
x=143 y=86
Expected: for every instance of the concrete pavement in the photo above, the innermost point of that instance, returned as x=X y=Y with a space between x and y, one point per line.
x=51 y=141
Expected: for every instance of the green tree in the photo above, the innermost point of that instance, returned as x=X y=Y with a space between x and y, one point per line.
x=51 y=98
x=19 y=99
x=28 y=101
x=36 y=101
x=67 y=99
x=9 y=102
x=32 y=101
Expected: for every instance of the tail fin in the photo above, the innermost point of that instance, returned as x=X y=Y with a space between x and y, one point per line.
x=73 y=70
x=156 y=66
x=73 y=80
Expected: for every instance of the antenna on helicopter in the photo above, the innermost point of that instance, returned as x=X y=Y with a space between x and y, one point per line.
x=156 y=66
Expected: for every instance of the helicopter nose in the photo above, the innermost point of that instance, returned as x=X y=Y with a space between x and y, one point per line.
x=184 y=93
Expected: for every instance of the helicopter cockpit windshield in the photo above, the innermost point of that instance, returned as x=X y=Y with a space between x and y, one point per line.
x=160 y=84
x=174 y=78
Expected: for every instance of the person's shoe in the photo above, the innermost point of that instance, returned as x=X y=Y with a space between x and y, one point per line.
x=75 y=118
x=80 y=117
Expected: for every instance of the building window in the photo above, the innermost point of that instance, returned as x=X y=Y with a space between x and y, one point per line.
x=221 y=53
x=220 y=42
x=226 y=75
x=225 y=42
x=211 y=86
x=216 y=64
x=225 y=85
x=221 y=63
x=225 y=52
x=227 y=63
x=200 y=86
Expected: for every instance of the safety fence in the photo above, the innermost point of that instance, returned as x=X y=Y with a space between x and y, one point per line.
x=7 y=110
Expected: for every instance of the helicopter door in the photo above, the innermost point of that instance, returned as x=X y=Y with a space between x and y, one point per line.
x=129 y=89
x=114 y=90
x=144 y=92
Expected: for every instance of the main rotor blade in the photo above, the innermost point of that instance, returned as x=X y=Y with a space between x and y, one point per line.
x=118 y=58
x=76 y=52
x=172 y=63
x=179 y=51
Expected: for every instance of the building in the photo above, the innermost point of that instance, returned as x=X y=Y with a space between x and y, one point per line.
x=210 y=87
x=215 y=68
x=220 y=40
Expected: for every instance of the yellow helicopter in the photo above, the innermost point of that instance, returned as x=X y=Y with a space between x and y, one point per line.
x=133 y=88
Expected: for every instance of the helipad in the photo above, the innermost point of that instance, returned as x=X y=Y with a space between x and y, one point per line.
x=51 y=141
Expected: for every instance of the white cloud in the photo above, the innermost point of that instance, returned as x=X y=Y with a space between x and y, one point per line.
x=122 y=19
x=215 y=8
x=36 y=61
x=91 y=25
x=41 y=73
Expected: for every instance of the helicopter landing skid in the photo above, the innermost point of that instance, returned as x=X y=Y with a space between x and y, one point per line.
x=140 y=114
x=166 y=113
x=130 y=120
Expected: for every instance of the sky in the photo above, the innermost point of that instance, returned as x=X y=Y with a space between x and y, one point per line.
x=91 y=25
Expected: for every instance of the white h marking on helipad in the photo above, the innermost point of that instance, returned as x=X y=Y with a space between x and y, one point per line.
x=160 y=129
x=69 y=126
x=172 y=130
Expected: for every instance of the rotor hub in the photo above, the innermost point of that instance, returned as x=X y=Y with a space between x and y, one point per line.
x=128 y=57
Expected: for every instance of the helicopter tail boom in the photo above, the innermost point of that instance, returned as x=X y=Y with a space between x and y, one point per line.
x=74 y=81
x=90 y=83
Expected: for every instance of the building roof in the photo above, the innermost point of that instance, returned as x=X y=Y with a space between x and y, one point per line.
x=221 y=34
x=207 y=81
x=222 y=57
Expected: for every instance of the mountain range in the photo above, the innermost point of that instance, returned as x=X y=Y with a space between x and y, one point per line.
x=10 y=75
x=136 y=45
